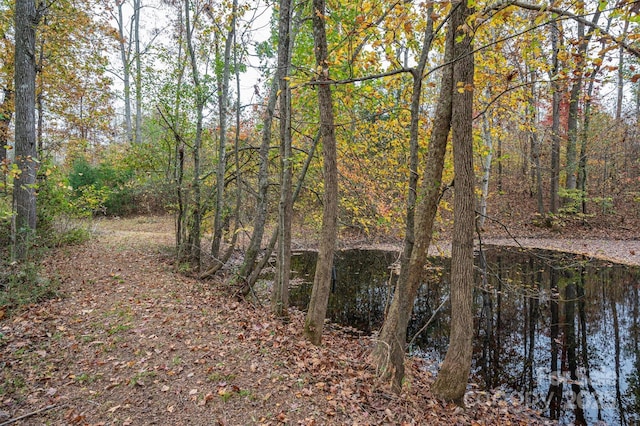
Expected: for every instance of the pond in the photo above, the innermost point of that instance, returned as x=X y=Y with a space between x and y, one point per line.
x=558 y=331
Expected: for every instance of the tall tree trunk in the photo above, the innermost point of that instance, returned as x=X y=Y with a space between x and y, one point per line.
x=534 y=141
x=40 y=97
x=280 y=293
x=124 y=48
x=388 y=355
x=454 y=371
x=196 y=217
x=486 y=164
x=572 y=121
x=322 y=279
x=416 y=96
x=254 y=272
x=178 y=167
x=584 y=134
x=576 y=88
x=260 y=215
x=555 y=126
x=620 y=81
x=6 y=113
x=249 y=267
x=223 y=95
x=24 y=196
x=137 y=10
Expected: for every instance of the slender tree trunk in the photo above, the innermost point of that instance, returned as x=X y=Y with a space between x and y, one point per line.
x=620 y=81
x=416 y=96
x=555 y=127
x=6 y=113
x=40 y=98
x=322 y=280
x=222 y=260
x=178 y=170
x=388 y=355
x=260 y=215
x=137 y=10
x=584 y=134
x=486 y=165
x=126 y=72
x=536 y=170
x=454 y=371
x=280 y=293
x=249 y=267
x=24 y=196
x=196 y=217
x=572 y=124
x=254 y=272
x=223 y=95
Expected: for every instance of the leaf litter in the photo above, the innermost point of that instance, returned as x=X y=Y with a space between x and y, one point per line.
x=132 y=342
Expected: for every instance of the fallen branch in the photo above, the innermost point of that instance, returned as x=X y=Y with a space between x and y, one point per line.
x=33 y=413
x=428 y=322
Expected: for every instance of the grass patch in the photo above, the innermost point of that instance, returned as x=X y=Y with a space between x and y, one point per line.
x=22 y=285
x=118 y=328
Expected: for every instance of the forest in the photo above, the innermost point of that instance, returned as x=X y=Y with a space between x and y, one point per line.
x=263 y=126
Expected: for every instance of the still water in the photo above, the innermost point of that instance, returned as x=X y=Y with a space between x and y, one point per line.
x=559 y=331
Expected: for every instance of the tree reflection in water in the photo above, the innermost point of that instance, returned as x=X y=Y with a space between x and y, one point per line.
x=555 y=330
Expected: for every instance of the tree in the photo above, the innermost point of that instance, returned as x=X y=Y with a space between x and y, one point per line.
x=137 y=10
x=6 y=113
x=223 y=95
x=454 y=371
x=125 y=58
x=388 y=355
x=24 y=195
x=322 y=280
x=555 y=127
x=574 y=99
x=194 y=240
x=280 y=293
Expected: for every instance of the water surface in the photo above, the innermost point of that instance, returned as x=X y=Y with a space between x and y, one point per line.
x=558 y=331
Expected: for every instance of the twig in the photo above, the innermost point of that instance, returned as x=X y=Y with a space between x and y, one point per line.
x=503 y=226
x=33 y=413
x=433 y=315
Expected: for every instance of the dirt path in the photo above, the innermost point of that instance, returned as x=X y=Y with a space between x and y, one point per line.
x=620 y=251
x=132 y=342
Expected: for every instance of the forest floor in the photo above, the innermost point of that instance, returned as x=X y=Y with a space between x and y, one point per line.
x=132 y=341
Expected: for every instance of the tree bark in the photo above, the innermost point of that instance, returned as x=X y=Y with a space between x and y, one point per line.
x=223 y=95
x=260 y=215
x=137 y=9
x=194 y=239
x=534 y=141
x=620 y=80
x=254 y=272
x=555 y=126
x=388 y=355
x=280 y=293
x=24 y=196
x=486 y=164
x=125 y=50
x=6 y=113
x=322 y=280
x=454 y=372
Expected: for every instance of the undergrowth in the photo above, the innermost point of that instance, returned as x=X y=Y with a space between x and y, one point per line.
x=22 y=284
